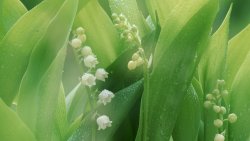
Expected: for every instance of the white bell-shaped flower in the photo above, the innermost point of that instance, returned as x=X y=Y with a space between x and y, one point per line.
x=219 y=137
x=86 y=50
x=80 y=31
x=76 y=43
x=90 y=61
x=88 y=79
x=103 y=122
x=232 y=118
x=101 y=74
x=105 y=97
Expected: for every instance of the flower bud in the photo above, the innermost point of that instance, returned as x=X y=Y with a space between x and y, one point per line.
x=114 y=15
x=139 y=61
x=76 y=43
x=216 y=108
x=221 y=82
x=86 y=50
x=218 y=123
x=219 y=137
x=135 y=56
x=82 y=37
x=216 y=91
x=232 y=118
x=207 y=104
x=209 y=97
x=224 y=93
x=134 y=29
x=80 y=31
x=223 y=110
x=131 y=65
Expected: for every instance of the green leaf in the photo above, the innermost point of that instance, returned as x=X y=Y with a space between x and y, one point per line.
x=18 y=43
x=31 y=3
x=40 y=85
x=188 y=121
x=76 y=102
x=61 y=122
x=117 y=110
x=12 y=127
x=213 y=67
x=130 y=9
x=102 y=36
x=165 y=8
x=239 y=102
x=237 y=52
x=175 y=60
x=10 y=12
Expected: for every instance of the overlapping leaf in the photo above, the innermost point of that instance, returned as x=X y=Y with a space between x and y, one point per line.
x=10 y=12
x=16 y=46
x=183 y=37
x=38 y=93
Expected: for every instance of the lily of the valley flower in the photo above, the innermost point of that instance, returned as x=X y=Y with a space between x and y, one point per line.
x=86 y=50
x=105 y=97
x=76 y=43
x=90 y=61
x=103 y=122
x=232 y=118
x=219 y=137
x=101 y=74
x=88 y=79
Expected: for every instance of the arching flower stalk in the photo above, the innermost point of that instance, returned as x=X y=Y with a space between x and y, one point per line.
x=92 y=74
x=214 y=101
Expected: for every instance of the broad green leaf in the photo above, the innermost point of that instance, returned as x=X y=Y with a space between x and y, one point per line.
x=16 y=46
x=239 y=102
x=175 y=60
x=61 y=122
x=10 y=12
x=213 y=67
x=102 y=36
x=130 y=9
x=237 y=52
x=165 y=8
x=12 y=127
x=76 y=102
x=35 y=95
x=117 y=110
x=188 y=121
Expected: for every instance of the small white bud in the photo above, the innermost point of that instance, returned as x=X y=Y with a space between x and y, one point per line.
x=135 y=56
x=134 y=29
x=139 y=61
x=131 y=65
x=105 y=97
x=76 y=43
x=209 y=97
x=221 y=82
x=141 y=50
x=90 y=61
x=101 y=74
x=114 y=15
x=122 y=17
x=219 y=137
x=207 y=104
x=224 y=93
x=86 y=50
x=218 y=123
x=80 y=31
x=216 y=91
x=103 y=122
x=223 y=110
x=82 y=37
x=129 y=37
x=88 y=79
x=232 y=118
x=216 y=108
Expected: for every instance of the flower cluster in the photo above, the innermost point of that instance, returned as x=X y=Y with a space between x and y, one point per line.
x=128 y=32
x=214 y=101
x=88 y=79
x=131 y=34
